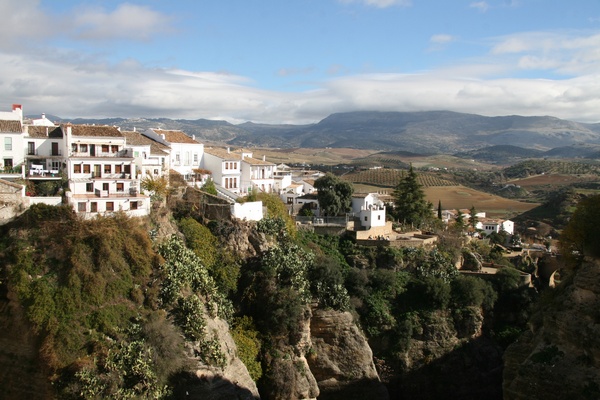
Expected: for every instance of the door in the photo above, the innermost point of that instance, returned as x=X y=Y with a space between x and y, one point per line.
x=97 y=171
x=55 y=149
x=93 y=150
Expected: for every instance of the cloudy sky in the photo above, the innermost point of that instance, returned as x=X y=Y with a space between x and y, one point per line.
x=297 y=61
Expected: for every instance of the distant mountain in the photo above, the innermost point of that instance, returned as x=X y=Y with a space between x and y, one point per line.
x=442 y=132
x=500 y=154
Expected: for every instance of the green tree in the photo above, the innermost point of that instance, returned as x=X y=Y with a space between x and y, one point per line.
x=459 y=221
x=334 y=195
x=473 y=219
x=439 y=212
x=410 y=204
x=209 y=187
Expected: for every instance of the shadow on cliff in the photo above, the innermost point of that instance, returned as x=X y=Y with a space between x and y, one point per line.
x=186 y=385
x=470 y=372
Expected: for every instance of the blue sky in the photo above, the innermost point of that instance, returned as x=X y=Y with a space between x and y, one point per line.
x=297 y=61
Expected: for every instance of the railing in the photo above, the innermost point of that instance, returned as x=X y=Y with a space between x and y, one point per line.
x=103 y=154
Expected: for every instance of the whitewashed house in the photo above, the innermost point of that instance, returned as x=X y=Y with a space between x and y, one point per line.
x=101 y=172
x=150 y=158
x=226 y=169
x=369 y=209
x=257 y=174
x=11 y=145
x=489 y=226
x=185 y=152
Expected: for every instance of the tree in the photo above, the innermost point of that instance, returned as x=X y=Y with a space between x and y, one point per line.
x=209 y=187
x=439 y=212
x=334 y=195
x=410 y=204
x=473 y=219
x=459 y=221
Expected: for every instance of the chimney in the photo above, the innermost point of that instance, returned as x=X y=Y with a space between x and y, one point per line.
x=228 y=151
x=43 y=115
x=134 y=128
x=194 y=137
x=264 y=157
x=162 y=135
x=17 y=107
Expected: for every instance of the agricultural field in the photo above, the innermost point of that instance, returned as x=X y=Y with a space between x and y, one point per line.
x=453 y=197
x=553 y=180
x=385 y=177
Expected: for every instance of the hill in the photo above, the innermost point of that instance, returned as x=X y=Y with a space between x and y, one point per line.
x=426 y=132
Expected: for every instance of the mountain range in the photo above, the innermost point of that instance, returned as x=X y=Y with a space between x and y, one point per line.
x=425 y=132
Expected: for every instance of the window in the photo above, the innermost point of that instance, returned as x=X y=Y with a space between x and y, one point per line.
x=83 y=148
x=93 y=206
x=187 y=158
x=86 y=168
x=8 y=163
x=105 y=186
x=379 y=217
x=82 y=207
x=134 y=205
x=54 y=147
x=30 y=148
x=110 y=206
x=107 y=168
x=177 y=157
x=105 y=148
x=118 y=169
x=89 y=187
x=76 y=168
x=120 y=186
x=74 y=147
x=195 y=158
x=226 y=165
x=114 y=149
x=7 y=143
x=366 y=218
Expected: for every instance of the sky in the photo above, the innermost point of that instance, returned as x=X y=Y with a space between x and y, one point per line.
x=298 y=61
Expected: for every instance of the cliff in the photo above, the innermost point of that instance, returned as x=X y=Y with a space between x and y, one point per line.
x=559 y=355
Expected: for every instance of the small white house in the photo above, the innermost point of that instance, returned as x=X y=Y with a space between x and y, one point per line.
x=489 y=226
x=369 y=209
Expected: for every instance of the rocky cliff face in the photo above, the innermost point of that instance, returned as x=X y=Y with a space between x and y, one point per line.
x=446 y=357
x=332 y=360
x=560 y=355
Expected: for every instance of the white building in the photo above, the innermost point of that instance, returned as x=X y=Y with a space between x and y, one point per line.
x=257 y=174
x=369 y=209
x=11 y=136
x=225 y=167
x=150 y=158
x=488 y=226
x=101 y=172
x=185 y=153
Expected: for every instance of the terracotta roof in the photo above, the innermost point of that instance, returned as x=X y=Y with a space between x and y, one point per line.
x=10 y=126
x=360 y=195
x=38 y=131
x=176 y=136
x=256 y=161
x=223 y=153
x=95 y=131
x=137 y=139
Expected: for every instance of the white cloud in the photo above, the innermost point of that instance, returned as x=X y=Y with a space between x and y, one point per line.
x=127 y=21
x=380 y=3
x=441 y=39
x=480 y=5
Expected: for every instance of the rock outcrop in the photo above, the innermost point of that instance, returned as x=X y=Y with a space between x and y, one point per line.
x=340 y=358
x=560 y=354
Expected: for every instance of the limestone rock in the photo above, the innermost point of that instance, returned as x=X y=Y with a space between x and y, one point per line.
x=560 y=354
x=340 y=358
